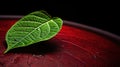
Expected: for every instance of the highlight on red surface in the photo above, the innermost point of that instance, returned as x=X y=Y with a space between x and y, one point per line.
x=72 y=47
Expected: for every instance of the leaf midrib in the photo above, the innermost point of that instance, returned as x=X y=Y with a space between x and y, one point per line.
x=29 y=34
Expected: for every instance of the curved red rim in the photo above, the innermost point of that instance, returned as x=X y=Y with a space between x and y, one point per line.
x=110 y=35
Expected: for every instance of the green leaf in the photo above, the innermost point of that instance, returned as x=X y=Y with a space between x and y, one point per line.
x=32 y=28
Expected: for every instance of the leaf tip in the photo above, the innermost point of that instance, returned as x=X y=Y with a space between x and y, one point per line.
x=6 y=51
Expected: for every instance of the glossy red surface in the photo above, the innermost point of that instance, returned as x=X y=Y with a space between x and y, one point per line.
x=72 y=47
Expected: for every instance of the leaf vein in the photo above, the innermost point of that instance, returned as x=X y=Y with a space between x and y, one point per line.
x=28 y=34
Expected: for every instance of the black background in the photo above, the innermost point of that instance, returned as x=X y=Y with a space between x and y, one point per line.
x=102 y=15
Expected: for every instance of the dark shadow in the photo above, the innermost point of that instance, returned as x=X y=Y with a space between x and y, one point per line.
x=40 y=48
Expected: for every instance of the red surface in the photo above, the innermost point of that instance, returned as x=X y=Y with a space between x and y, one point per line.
x=72 y=47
